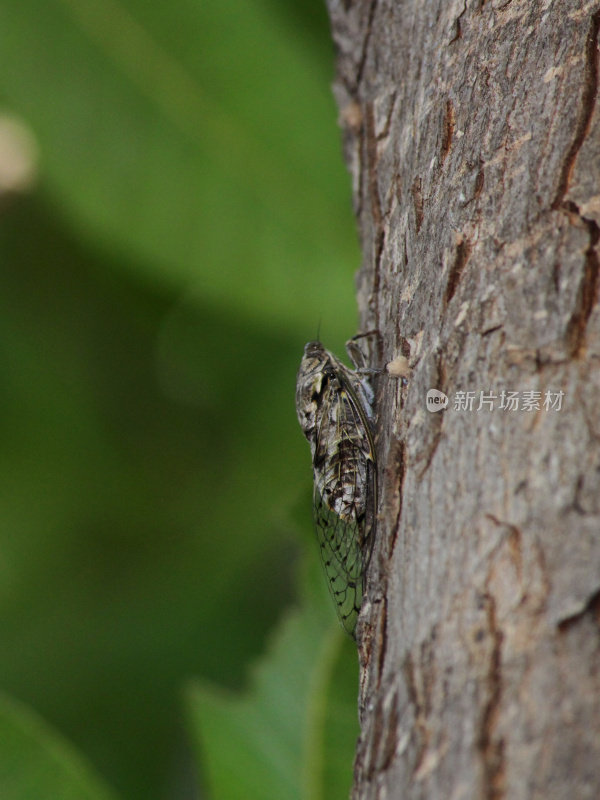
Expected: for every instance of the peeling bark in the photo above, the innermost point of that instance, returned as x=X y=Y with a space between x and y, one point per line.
x=472 y=135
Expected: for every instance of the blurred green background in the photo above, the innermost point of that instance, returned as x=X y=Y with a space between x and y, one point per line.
x=188 y=229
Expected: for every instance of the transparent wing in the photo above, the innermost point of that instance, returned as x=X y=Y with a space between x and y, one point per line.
x=344 y=556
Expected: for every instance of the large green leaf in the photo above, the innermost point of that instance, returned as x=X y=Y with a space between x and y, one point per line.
x=293 y=733
x=197 y=137
x=191 y=227
x=38 y=764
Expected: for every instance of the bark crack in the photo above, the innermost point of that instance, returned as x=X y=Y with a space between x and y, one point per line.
x=371 y=148
x=448 y=129
x=492 y=747
x=382 y=629
x=385 y=131
x=390 y=743
x=463 y=251
x=588 y=288
x=417 y=195
x=458 y=25
x=396 y=473
x=365 y=46
x=437 y=437
x=592 y=607
x=588 y=103
x=514 y=539
x=420 y=722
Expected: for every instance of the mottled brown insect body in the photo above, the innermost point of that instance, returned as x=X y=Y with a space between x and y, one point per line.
x=335 y=410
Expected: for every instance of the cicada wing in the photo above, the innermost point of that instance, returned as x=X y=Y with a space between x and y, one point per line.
x=344 y=478
x=343 y=560
x=345 y=546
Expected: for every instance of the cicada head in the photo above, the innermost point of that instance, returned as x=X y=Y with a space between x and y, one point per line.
x=310 y=385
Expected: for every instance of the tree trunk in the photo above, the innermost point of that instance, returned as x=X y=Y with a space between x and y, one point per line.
x=472 y=134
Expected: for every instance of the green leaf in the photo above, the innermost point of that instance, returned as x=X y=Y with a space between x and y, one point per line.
x=196 y=139
x=38 y=764
x=293 y=733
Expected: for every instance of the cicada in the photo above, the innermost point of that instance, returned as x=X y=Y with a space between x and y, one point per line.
x=335 y=409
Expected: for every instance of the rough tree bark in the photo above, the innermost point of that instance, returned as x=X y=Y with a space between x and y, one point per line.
x=472 y=133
